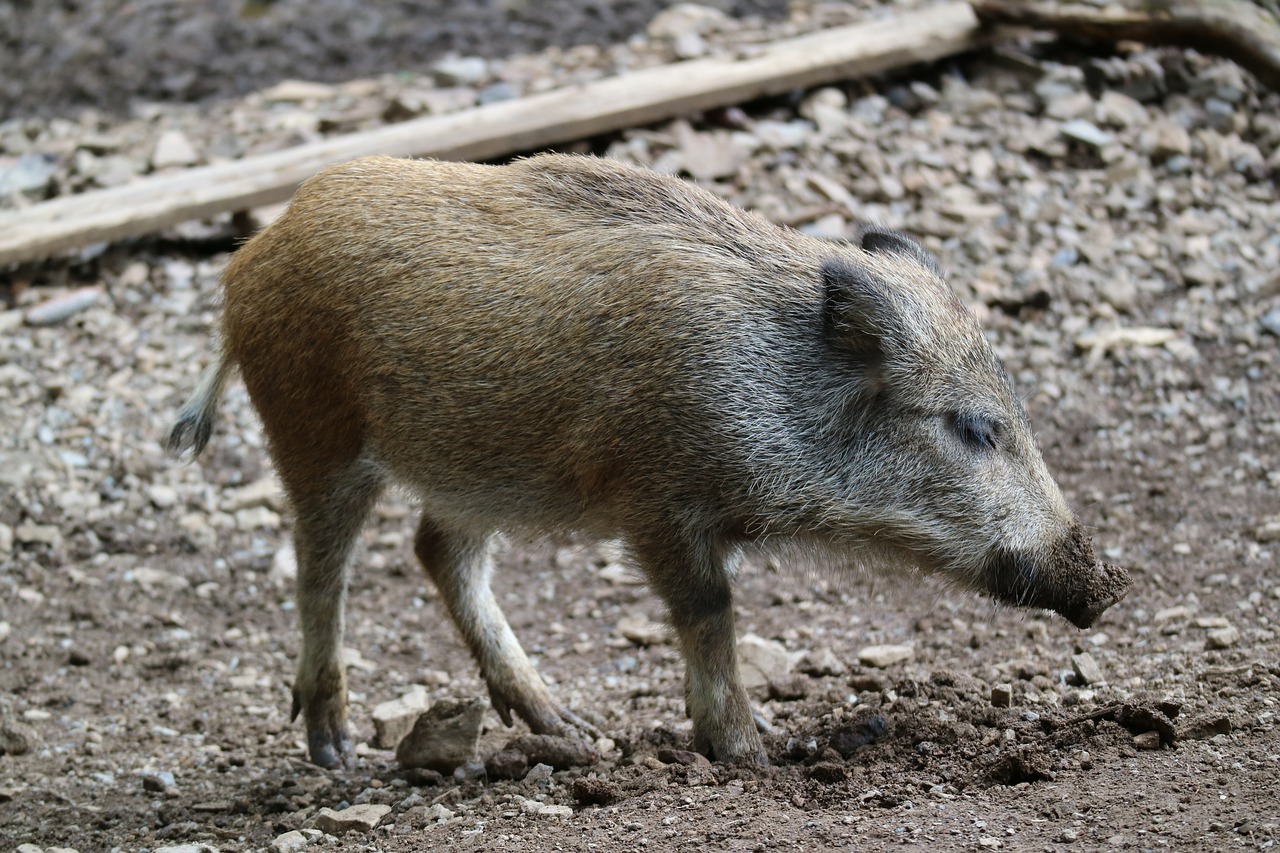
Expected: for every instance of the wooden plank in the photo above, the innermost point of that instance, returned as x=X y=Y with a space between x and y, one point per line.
x=493 y=130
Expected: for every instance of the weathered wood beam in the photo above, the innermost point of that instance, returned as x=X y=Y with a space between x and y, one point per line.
x=1236 y=29
x=494 y=130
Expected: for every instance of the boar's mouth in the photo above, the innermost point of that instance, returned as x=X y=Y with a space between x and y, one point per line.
x=1068 y=579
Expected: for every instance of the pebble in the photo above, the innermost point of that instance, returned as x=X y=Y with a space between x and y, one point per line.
x=290 y=841
x=1270 y=323
x=445 y=737
x=642 y=631
x=394 y=719
x=821 y=663
x=1086 y=669
x=30 y=173
x=64 y=307
x=461 y=71
x=1087 y=132
x=173 y=149
x=761 y=660
x=194 y=847
x=361 y=818
x=1221 y=638
x=884 y=656
x=1001 y=696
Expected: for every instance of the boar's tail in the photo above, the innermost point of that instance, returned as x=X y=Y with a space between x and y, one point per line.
x=190 y=432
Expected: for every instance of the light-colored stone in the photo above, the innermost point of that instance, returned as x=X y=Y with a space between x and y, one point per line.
x=173 y=148
x=641 y=630
x=1086 y=669
x=1221 y=638
x=264 y=492
x=884 y=656
x=361 y=818
x=38 y=534
x=761 y=660
x=289 y=842
x=298 y=91
x=394 y=719
x=445 y=737
x=162 y=496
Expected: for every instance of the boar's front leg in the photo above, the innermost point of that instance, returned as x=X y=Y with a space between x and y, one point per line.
x=459 y=564
x=694 y=583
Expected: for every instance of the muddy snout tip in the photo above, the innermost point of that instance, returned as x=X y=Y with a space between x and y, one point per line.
x=1110 y=585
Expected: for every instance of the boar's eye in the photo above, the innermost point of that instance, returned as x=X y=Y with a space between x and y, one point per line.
x=979 y=433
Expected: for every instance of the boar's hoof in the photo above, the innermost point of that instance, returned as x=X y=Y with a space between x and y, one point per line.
x=328 y=749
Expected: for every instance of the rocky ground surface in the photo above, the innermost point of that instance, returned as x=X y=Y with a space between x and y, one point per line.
x=1111 y=218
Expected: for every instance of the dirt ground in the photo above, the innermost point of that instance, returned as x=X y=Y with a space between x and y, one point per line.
x=147 y=622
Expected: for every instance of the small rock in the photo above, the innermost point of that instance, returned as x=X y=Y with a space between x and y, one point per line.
x=990 y=842
x=1268 y=531
x=642 y=631
x=284 y=567
x=1068 y=835
x=827 y=772
x=789 y=688
x=159 y=781
x=298 y=91
x=17 y=739
x=1168 y=614
x=1069 y=105
x=394 y=719
x=265 y=492
x=460 y=70
x=193 y=847
x=761 y=660
x=64 y=307
x=1119 y=110
x=681 y=18
x=1087 y=132
x=161 y=496
x=1086 y=669
x=362 y=818
x=539 y=774
x=820 y=663
x=1001 y=696
x=30 y=173
x=535 y=808
x=445 y=737
x=1147 y=740
x=1164 y=138
x=439 y=812
x=884 y=656
x=173 y=149
x=688 y=45
x=1271 y=325
x=289 y=842
x=6 y=539
x=1222 y=638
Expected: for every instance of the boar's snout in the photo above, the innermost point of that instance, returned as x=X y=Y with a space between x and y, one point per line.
x=1068 y=579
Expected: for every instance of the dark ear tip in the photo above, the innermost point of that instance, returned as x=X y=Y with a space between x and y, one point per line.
x=879 y=239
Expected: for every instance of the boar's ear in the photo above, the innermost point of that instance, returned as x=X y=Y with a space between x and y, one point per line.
x=854 y=309
x=878 y=239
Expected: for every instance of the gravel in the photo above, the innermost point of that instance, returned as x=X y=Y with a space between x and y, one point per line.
x=1129 y=283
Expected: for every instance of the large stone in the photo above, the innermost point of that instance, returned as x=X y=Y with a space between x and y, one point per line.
x=362 y=818
x=886 y=655
x=394 y=719
x=444 y=737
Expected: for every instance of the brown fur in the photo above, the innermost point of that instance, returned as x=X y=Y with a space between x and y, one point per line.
x=567 y=343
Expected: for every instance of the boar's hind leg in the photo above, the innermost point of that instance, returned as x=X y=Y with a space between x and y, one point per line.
x=696 y=588
x=459 y=564
x=330 y=514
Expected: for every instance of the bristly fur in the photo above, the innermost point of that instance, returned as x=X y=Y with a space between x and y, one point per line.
x=567 y=343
